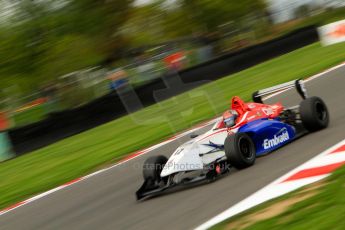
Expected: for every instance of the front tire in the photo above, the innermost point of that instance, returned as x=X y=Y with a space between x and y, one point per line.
x=153 y=167
x=314 y=114
x=240 y=150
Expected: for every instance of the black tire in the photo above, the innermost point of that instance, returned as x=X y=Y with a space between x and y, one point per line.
x=240 y=150
x=153 y=167
x=314 y=114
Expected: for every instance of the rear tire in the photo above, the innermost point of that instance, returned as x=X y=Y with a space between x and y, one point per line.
x=314 y=114
x=153 y=167
x=240 y=150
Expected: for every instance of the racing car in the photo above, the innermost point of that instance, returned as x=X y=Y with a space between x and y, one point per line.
x=244 y=132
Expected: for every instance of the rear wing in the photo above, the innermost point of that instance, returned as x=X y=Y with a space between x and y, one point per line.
x=298 y=84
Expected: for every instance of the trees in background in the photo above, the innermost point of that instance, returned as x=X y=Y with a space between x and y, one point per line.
x=303 y=11
x=44 y=39
x=209 y=15
x=187 y=17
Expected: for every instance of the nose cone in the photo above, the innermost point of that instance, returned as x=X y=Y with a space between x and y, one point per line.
x=185 y=158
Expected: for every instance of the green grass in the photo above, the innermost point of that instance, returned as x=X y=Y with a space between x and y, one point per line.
x=83 y=153
x=324 y=210
x=29 y=116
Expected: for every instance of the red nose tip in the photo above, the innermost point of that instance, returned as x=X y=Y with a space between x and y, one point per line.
x=218 y=169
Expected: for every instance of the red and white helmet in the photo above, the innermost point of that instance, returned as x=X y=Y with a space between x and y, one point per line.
x=229 y=118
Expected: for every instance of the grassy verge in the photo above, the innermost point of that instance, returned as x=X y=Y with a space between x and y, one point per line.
x=81 y=154
x=317 y=206
x=29 y=116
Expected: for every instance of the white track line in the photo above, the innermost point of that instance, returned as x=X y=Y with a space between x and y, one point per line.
x=77 y=180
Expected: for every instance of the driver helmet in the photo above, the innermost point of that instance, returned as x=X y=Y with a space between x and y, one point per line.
x=229 y=118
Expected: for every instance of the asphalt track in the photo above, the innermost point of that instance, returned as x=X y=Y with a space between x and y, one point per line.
x=106 y=201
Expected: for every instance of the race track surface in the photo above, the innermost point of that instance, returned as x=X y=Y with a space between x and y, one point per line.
x=107 y=201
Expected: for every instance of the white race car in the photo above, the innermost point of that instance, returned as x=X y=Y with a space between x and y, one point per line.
x=246 y=131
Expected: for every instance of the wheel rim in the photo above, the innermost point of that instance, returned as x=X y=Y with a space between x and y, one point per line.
x=321 y=111
x=245 y=148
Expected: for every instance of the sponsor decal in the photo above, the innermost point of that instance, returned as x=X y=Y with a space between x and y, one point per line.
x=277 y=139
x=178 y=151
x=332 y=33
x=338 y=32
x=251 y=106
x=267 y=111
x=251 y=117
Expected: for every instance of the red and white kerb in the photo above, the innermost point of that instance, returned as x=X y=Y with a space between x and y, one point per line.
x=313 y=170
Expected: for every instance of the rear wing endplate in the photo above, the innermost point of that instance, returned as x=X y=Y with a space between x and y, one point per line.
x=298 y=84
